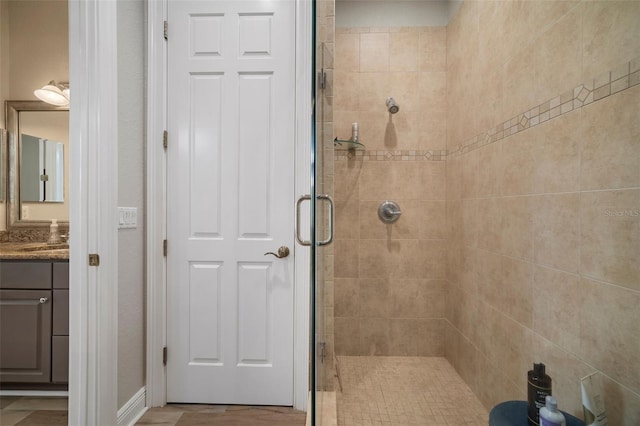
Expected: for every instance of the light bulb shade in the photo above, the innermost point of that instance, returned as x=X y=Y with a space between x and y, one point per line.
x=52 y=95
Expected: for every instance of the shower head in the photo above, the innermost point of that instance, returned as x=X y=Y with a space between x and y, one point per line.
x=392 y=106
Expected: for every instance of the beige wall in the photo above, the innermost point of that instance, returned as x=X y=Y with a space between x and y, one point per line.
x=38 y=46
x=389 y=279
x=131 y=178
x=543 y=199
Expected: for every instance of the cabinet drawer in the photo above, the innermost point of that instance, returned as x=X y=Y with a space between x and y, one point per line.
x=60 y=359
x=60 y=312
x=27 y=275
x=25 y=336
x=61 y=275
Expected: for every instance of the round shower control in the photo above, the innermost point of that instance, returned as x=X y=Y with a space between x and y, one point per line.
x=389 y=211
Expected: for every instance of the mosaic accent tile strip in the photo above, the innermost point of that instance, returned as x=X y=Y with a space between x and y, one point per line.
x=620 y=78
x=398 y=155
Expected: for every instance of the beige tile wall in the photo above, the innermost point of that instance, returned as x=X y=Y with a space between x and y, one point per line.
x=543 y=198
x=389 y=279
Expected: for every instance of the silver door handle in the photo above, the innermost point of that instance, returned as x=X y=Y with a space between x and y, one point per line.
x=331 y=219
x=298 y=203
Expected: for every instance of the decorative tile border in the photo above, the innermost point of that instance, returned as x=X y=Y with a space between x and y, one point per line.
x=620 y=78
x=401 y=155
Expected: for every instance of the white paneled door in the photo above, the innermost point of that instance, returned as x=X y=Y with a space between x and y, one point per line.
x=230 y=184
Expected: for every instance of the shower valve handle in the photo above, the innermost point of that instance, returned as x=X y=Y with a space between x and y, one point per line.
x=389 y=211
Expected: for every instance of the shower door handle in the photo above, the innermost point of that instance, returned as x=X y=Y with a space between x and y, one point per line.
x=331 y=219
x=298 y=203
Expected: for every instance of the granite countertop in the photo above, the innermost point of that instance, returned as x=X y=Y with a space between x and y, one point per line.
x=33 y=251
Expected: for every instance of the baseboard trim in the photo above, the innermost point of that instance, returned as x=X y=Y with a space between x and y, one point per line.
x=135 y=408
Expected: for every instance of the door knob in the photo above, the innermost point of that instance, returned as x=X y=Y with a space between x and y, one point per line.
x=282 y=252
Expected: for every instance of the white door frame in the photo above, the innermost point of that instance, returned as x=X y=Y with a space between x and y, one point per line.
x=93 y=175
x=157 y=202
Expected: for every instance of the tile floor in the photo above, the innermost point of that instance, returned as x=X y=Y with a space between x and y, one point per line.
x=223 y=415
x=26 y=411
x=403 y=391
x=32 y=411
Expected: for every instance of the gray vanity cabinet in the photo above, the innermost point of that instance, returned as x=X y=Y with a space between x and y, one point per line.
x=34 y=322
x=25 y=335
x=60 y=326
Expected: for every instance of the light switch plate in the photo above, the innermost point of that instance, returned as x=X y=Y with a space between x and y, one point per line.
x=127 y=217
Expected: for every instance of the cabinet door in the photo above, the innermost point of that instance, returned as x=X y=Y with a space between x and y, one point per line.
x=25 y=336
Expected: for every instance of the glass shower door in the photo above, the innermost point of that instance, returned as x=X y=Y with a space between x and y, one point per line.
x=323 y=215
x=321 y=319
x=322 y=276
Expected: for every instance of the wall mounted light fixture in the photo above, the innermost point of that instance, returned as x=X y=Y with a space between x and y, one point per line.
x=53 y=93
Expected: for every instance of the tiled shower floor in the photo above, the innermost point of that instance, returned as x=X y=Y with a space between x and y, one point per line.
x=402 y=391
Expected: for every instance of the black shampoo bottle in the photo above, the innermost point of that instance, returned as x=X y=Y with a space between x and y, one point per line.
x=538 y=387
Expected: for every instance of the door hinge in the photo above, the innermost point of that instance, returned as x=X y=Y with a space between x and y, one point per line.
x=322 y=79
x=94 y=259
x=165 y=139
x=322 y=347
x=164 y=248
x=166 y=30
x=164 y=356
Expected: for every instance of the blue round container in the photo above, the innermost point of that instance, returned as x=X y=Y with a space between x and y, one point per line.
x=514 y=413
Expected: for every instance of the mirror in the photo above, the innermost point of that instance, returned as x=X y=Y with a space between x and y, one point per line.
x=37 y=162
x=41 y=167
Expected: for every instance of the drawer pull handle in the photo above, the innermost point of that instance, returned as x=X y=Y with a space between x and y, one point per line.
x=8 y=302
